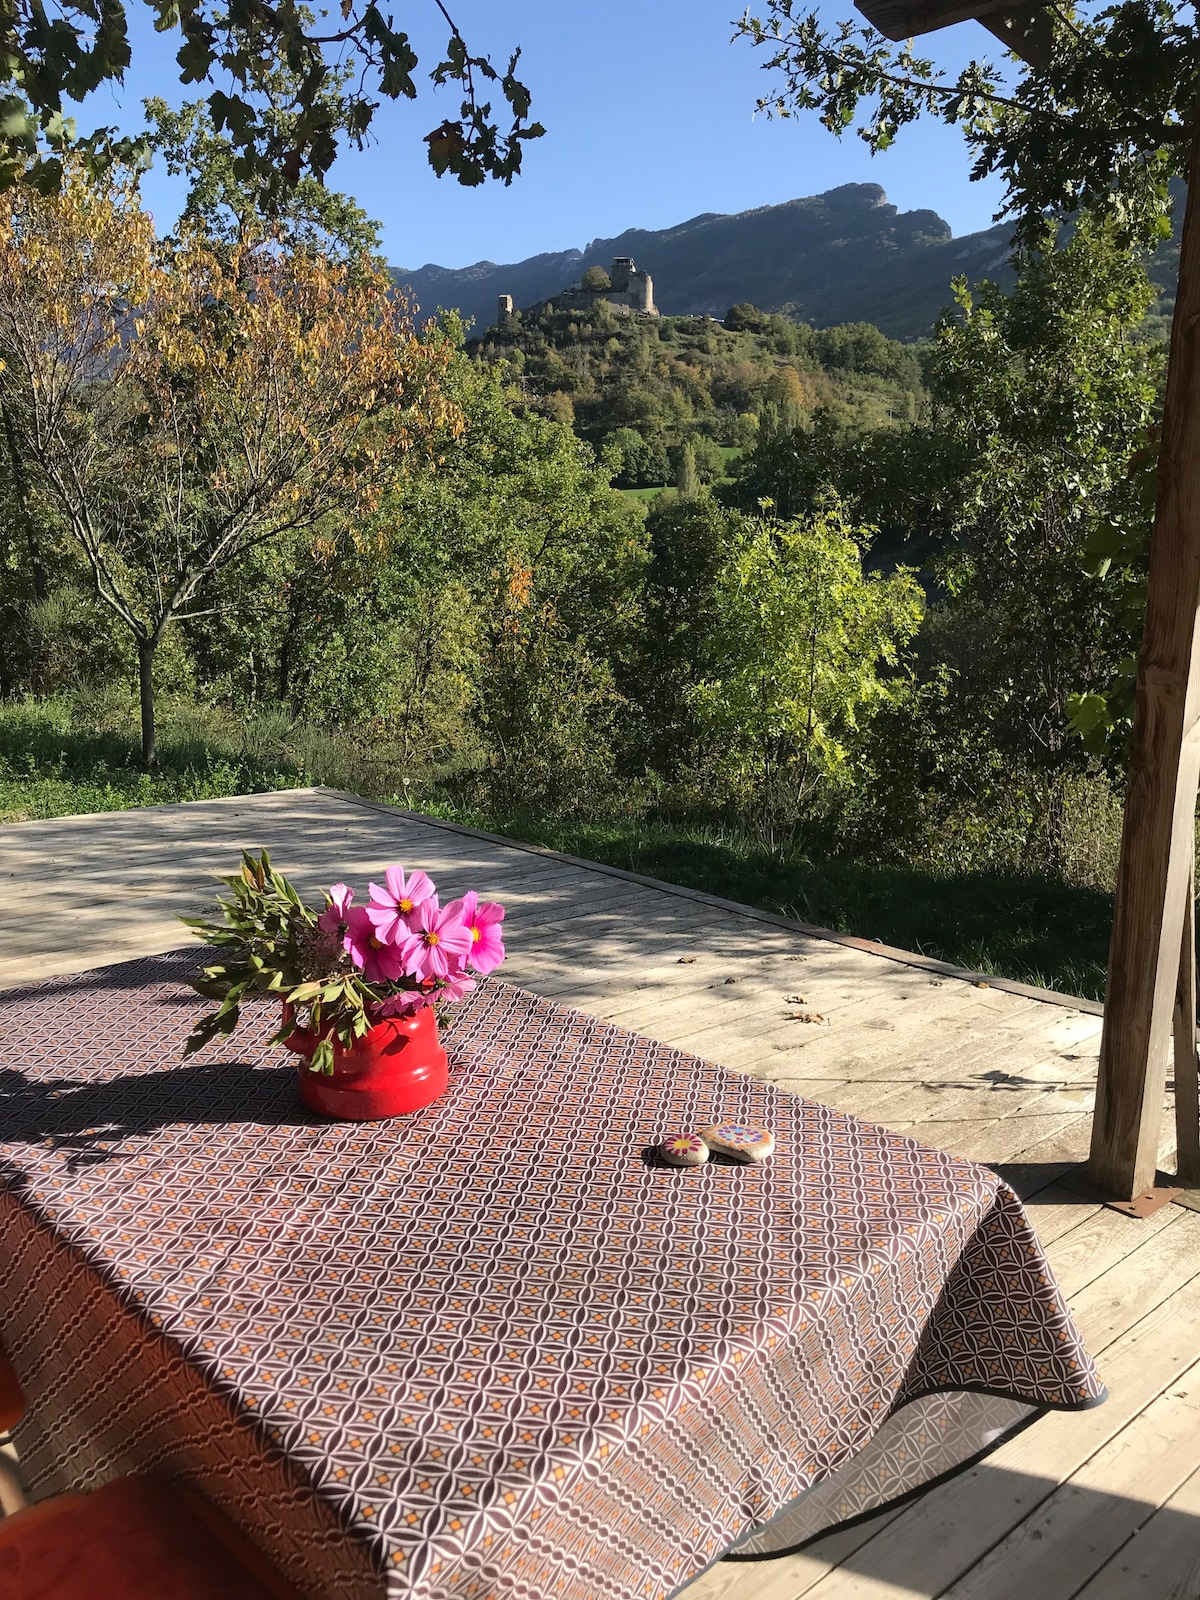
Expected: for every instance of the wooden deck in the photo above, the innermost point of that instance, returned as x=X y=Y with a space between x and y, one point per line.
x=1103 y=1505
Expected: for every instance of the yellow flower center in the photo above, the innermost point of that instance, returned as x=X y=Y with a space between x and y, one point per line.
x=406 y=906
x=432 y=938
x=474 y=935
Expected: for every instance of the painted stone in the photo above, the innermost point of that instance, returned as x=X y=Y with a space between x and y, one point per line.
x=685 y=1150
x=744 y=1142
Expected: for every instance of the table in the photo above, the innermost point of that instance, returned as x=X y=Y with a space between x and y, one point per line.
x=492 y=1349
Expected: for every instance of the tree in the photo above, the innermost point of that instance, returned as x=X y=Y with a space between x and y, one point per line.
x=181 y=407
x=596 y=280
x=686 y=478
x=1047 y=401
x=801 y=651
x=1103 y=127
x=475 y=622
x=745 y=318
x=337 y=69
x=226 y=202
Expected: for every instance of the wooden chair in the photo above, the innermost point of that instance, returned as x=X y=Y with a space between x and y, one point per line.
x=12 y=1409
x=139 y=1538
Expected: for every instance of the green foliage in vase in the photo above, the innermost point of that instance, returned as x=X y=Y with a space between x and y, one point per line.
x=273 y=949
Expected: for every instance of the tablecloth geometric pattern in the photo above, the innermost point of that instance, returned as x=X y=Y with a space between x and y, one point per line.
x=505 y=1352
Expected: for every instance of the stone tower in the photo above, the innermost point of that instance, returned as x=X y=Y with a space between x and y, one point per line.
x=639 y=292
x=620 y=273
x=504 y=307
x=635 y=288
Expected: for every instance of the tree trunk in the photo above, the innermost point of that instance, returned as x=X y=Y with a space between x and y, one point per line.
x=41 y=586
x=146 y=649
x=6 y=674
x=283 y=679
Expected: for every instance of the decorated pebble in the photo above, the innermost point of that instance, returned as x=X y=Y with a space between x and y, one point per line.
x=685 y=1150
x=744 y=1142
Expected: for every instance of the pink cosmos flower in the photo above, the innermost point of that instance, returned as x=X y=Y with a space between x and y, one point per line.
x=483 y=922
x=437 y=943
x=392 y=909
x=340 y=897
x=380 y=962
x=403 y=1004
x=457 y=985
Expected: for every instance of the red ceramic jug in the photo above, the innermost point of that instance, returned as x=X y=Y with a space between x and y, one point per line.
x=396 y=1067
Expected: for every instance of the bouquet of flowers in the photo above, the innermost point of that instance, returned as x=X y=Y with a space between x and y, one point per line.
x=345 y=967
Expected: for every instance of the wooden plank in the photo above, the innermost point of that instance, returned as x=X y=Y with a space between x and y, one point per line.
x=1028 y=1179
x=937 y=1538
x=1052 y=1084
x=850 y=942
x=1061 y=1136
x=902 y=19
x=1163 y=1561
x=1148 y=1277
x=787 y=1577
x=1056 y=1211
x=1088 y=1518
x=1080 y=1255
x=960 y=1039
x=1158 y=838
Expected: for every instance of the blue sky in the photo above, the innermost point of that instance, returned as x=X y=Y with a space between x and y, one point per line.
x=649 y=111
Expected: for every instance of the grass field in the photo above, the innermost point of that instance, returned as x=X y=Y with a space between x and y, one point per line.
x=1025 y=927
x=646 y=495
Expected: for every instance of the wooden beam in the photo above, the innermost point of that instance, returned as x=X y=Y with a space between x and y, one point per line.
x=1023 y=28
x=902 y=19
x=1187 y=1062
x=1158 y=838
x=1026 y=30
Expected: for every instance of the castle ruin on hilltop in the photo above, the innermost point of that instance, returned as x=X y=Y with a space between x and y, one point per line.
x=631 y=294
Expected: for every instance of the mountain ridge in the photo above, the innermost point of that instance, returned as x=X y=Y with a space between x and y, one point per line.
x=845 y=255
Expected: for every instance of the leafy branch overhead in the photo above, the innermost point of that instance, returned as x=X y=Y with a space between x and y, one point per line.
x=341 y=66
x=1103 y=126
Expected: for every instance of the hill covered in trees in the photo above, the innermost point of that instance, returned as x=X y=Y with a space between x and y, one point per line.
x=678 y=395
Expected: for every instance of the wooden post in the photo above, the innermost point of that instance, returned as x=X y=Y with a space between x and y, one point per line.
x=1158 y=839
x=1187 y=1061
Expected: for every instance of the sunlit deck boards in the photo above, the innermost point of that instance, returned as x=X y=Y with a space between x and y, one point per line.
x=1004 y=1077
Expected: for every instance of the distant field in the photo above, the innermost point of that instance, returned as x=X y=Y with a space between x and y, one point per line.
x=731 y=452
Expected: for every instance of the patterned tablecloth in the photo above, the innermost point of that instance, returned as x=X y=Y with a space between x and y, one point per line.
x=492 y=1341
